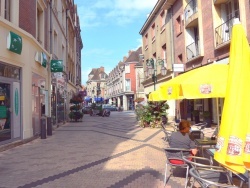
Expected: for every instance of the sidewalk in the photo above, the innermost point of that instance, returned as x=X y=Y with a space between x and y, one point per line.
x=100 y=152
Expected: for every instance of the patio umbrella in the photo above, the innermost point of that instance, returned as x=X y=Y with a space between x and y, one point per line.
x=205 y=82
x=155 y=96
x=234 y=131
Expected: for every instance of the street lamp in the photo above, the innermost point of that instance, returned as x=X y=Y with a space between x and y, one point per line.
x=152 y=69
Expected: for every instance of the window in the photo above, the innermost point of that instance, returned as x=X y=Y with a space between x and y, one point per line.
x=153 y=32
x=232 y=9
x=39 y=24
x=127 y=85
x=55 y=42
x=63 y=18
x=127 y=68
x=163 y=55
x=146 y=41
x=7 y=10
x=178 y=25
x=180 y=58
x=163 y=21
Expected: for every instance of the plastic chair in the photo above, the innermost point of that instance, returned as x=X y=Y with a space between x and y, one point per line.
x=175 y=162
x=208 y=175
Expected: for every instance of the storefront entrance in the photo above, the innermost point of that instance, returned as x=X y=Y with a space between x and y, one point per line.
x=10 y=118
x=10 y=124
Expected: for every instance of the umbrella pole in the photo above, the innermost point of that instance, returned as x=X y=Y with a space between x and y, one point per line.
x=218 y=118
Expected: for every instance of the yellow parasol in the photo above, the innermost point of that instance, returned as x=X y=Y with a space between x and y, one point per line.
x=155 y=96
x=206 y=82
x=234 y=131
x=197 y=83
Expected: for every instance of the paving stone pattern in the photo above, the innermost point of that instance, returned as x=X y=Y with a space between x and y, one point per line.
x=99 y=152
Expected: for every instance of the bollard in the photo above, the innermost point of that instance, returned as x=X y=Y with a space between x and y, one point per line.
x=43 y=128
x=49 y=126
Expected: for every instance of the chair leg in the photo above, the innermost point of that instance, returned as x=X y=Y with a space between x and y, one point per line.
x=165 y=176
x=186 y=176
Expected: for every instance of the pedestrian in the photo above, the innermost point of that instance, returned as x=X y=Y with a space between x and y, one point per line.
x=183 y=139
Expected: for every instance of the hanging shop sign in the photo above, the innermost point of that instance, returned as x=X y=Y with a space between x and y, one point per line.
x=177 y=67
x=56 y=66
x=14 y=42
x=41 y=58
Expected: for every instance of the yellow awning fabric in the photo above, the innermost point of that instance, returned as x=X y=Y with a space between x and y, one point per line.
x=205 y=82
x=233 y=144
x=155 y=96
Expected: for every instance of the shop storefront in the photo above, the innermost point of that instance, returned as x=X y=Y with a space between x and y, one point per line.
x=38 y=102
x=10 y=118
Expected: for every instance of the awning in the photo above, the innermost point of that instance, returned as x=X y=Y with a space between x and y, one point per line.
x=87 y=99
x=98 y=99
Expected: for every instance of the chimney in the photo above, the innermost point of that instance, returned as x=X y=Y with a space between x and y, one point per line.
x=101 y=69
x=124 y=58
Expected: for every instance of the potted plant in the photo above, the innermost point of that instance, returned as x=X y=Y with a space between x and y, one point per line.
x=75 y=113
x=196 y=115
x=206 y=115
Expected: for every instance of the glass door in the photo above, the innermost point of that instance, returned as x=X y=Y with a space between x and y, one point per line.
x=5 y=112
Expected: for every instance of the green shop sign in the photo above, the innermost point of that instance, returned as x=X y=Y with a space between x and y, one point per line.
x=56 y=66
x=14 y=42
x=44 y=60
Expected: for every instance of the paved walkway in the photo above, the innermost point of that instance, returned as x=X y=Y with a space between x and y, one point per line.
x=99 y=152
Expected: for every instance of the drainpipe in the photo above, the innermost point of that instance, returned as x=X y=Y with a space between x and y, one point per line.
x=66 y=107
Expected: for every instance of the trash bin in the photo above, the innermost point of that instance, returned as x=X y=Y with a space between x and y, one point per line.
x=43 y=128
x=49 y=126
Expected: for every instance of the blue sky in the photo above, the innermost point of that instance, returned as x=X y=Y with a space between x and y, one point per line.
x=109 y=29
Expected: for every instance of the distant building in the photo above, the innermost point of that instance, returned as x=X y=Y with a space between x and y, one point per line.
x=96 y=85
x=124 y=83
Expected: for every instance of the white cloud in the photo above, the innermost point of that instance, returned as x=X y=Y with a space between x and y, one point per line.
x=121 y=12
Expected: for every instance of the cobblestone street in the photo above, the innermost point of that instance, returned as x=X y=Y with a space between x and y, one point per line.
x=98 y=152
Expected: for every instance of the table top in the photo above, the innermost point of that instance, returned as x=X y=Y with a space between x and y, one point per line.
x=206 y=141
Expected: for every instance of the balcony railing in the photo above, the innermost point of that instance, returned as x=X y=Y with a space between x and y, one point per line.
x=193 y=50
x=190 y=9
x=223 y=32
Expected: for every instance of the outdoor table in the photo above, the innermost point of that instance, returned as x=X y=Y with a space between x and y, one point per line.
x=206 y=142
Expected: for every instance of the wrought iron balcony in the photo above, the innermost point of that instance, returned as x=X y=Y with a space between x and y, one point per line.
x=223 y=32
x=193 y=50
x=190 y=9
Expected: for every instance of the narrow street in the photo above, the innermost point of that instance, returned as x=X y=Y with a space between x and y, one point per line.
x=99 y=152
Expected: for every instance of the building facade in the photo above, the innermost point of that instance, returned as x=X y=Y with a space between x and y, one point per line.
x=199 y=34
x=96 y=85
x=123 y=82
x=31 y=88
